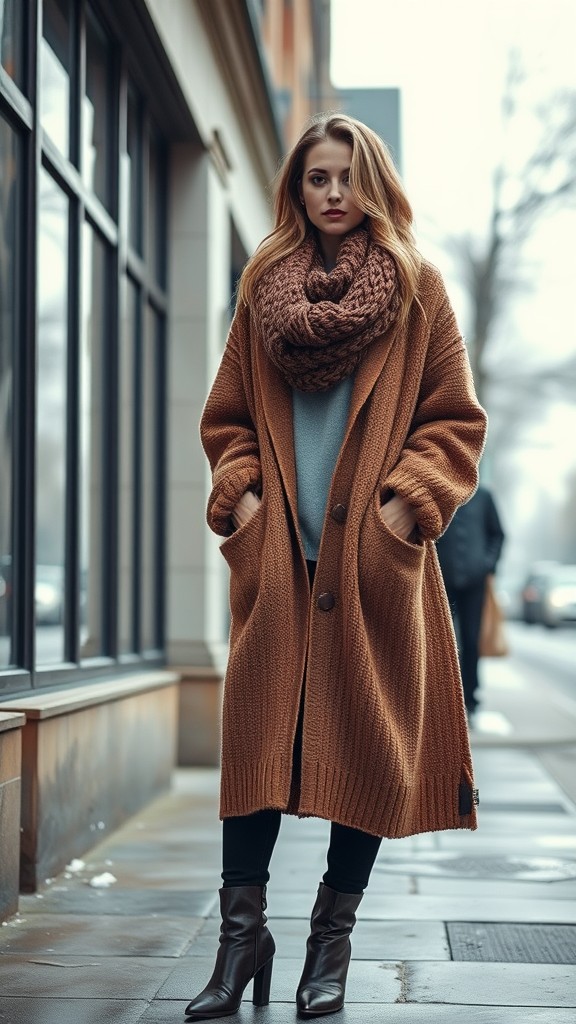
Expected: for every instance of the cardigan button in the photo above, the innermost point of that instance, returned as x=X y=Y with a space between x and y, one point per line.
x=339 y=513
x=326 y=601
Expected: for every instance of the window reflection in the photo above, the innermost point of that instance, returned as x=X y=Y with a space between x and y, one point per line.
x=96 y=111
x=150 y=425
x=11 y=38
x=55 y=70
x=94 y=305
x=134 y=174
x=51 y=420
x=152 y=212
x=9 y=153
x=127 y=466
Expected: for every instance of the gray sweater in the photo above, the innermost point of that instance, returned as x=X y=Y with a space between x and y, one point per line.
x=320 y=419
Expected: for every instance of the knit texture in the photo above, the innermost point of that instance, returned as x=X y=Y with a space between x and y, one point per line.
x=316 y=325
x=384 y=744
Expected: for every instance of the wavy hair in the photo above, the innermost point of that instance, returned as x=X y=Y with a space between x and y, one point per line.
x=376 y=188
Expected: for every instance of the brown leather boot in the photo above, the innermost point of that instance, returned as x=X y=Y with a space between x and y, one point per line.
x=246 y=951
x=323 y=982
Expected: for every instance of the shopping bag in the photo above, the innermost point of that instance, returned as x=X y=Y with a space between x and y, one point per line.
x=492 y=642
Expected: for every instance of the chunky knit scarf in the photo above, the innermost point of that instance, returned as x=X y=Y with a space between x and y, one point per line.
x=316 y=325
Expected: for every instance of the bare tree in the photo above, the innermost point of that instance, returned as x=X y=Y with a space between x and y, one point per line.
x=489 y=266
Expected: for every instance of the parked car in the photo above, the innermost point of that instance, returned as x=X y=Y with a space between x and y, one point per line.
x=559 y=597
x=533 y=591
x=509 y=594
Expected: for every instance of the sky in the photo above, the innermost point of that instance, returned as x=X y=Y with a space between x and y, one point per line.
x=449 y=59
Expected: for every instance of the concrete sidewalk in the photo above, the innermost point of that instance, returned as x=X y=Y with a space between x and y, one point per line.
x=456 y=926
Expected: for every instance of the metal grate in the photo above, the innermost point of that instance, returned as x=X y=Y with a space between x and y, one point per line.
x=513 y=943
x=525 y=869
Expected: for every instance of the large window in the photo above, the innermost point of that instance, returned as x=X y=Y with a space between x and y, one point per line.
x=9 y=216
x=51 y=433
x=82 y=350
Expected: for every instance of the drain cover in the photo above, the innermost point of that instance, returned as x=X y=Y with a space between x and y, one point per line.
x=520 y=869
x=513 y=943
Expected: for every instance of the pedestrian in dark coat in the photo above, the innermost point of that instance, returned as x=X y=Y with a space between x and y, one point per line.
x=342 y=432
x=469 y=551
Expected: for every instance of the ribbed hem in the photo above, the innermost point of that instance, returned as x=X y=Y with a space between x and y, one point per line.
x=393 y=811
x=247 y=788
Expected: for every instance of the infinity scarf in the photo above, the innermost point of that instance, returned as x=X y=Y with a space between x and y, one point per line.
x=316 y=325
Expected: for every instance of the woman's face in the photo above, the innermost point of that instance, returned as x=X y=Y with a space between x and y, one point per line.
x=325 y=191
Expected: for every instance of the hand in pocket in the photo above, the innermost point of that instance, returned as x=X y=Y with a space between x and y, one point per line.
x=249 y=504
x=398 y=516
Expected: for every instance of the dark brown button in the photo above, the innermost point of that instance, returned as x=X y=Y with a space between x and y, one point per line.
x=326 y=601
x=339 y=513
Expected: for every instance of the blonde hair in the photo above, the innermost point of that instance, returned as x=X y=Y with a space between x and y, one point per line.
x=376 y=188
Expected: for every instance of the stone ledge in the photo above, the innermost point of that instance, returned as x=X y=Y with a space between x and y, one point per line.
x=11 y=729
x=92 y=755
x=41 y=704
x=199 y=710
x=11 y=720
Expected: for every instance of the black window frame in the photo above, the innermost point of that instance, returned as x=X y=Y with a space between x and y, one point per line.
x=21 y=109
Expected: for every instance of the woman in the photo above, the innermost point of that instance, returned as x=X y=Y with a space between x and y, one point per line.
x=343 y=432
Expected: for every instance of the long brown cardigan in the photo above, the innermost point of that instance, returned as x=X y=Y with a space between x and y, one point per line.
x=385 y=744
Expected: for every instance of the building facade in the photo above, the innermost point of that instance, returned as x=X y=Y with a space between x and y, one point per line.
x=137 y=145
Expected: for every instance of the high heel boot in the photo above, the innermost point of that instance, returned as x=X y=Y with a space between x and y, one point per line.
x=323 y=982
x=246 y=951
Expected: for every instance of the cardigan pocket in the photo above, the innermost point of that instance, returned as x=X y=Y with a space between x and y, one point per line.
x=242 y=551
x=390 y=583
x=391 y=569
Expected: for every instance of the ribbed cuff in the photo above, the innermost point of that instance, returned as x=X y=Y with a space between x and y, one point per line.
x=226 y=494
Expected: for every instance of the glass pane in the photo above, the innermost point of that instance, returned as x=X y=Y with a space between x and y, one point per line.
x=92 y=411
x=153 y=247
x=150 y=488
x=134 y=176
x=11 y=28
x=51 y=420
x=9 y=159
x=97 y=112
x=127 y=467
x=55 y=68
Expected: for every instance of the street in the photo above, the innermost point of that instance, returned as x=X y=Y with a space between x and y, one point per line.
x=549 y=652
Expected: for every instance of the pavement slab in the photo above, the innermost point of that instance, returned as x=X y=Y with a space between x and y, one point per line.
x=38 y=1010
x=64 y=898
x=74 y=934
x=377 y=907
x=371 y=940
x=489 y=984
x=368 y=981
x=89 y=978
x=170 y=1012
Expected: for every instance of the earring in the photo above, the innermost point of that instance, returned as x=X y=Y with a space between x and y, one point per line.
x=301 y=201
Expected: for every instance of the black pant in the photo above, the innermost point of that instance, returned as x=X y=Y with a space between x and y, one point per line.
x=249 y=840
x=466 y=604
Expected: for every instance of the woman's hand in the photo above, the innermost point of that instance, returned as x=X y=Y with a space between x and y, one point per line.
x=398 y=517
x=249 y=504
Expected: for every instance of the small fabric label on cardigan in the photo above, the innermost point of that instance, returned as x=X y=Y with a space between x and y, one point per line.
x=468 y=798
